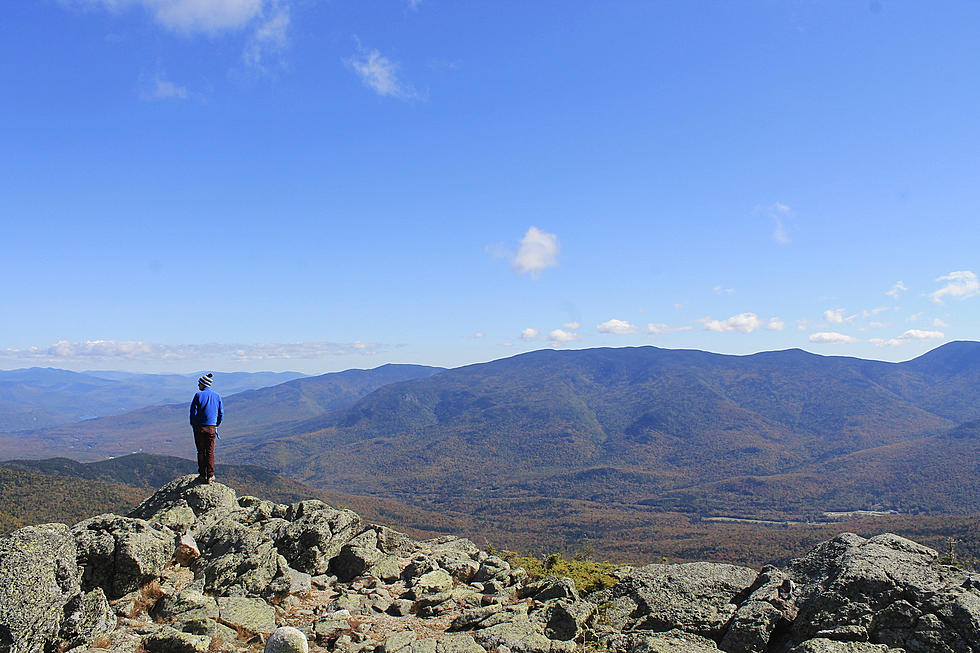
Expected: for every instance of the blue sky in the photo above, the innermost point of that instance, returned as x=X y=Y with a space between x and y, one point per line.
x=292 y=184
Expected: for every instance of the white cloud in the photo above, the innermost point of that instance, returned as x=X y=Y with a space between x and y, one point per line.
x=911 y=334
x=572 y=326
x=914 y=316
x=479 y=334
x=619 y=327
x=270 y=38
x=538 y=251
x=939 y=323
x=831 y=337
x=163 y=89
x=560 y=335
x=776 y=324
x=380 y=74
x=530 y=334
x=64 y=350
x=874 y=311
x=960 y=284
x=877 y=325
x=659 y=329
x=720 y=290
x=836 y=316
x=779 y=214
x=743 y=322
x=896 y=290
x=802 y=325
x=920 y=334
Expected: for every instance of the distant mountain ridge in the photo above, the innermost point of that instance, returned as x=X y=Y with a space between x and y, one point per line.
x=39 y=397
x=163 y=429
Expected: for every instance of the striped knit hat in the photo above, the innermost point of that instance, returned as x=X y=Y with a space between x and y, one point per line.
x=206 y=380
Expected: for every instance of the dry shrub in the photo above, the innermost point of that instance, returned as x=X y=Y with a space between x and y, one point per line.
x=148 y=595
x=102 y=641
x=217 y=645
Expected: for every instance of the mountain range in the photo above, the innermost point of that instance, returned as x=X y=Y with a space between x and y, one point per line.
x=589 y=442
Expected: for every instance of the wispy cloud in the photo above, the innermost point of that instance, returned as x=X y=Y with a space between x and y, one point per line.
x=64 y=350
x=776 y=324
x=269 y=39
x=572 y=326
x=721 y=290
x=618 y=327
x=159 y=88
x=538 y=251
x=743 y=323
x=831 y=338
x=959 y=285
x=779 y=214
x=380 y=74
x=896 y=290
x=939 y=323
x=659 y=329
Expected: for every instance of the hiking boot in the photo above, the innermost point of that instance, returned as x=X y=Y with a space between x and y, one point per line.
x=201 y=479
x=209 y=480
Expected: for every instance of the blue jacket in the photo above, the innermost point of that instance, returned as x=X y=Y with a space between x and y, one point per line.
x=206 y=408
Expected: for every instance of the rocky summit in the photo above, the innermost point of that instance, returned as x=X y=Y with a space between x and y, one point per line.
x=195 y=568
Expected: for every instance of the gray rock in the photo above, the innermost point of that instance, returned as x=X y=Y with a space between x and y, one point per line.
x=190 y=603
x=386 y=569
x=250 y=615
x=183 y=501
x=400 y=608
x=240 y=560
x=697 y=597
x=287 y=640
x=673 y=641
x=566 y=620
x=315 y=535
x=831 y=646
x=887 y=590
x=121 y=554
x=771 y=604
x=171 y=640
x=38 y=576
x=549 y=588
x=217 y=632
x=433 y=582
x=356 y=556
x=87 y=616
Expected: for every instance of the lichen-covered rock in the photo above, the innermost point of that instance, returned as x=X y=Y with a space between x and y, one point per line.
x=356 y=556
x=697 y=597
x=885 y=590
x=287 y=640
x=251 y=615
x=38 y=576
x=549 y=588
x=190 y=603
x=87 y=616
x=183 y=501
x=171 y=640
x=565 y=620
x=673 y=641
x=120 y=554
x=237 y=559
x=771 y=604
x=315 y=534
x=830 y=646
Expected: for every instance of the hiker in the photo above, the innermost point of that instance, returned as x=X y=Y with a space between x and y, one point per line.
x=206 y=413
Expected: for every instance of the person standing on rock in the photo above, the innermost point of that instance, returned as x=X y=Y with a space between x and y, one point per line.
x=206 y=414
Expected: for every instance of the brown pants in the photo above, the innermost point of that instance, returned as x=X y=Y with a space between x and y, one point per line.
x=204 y=439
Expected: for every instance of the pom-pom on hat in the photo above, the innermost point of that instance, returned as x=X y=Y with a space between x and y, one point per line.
x=206 y=380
